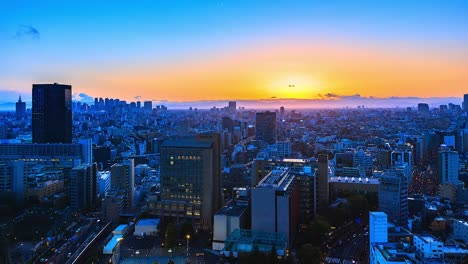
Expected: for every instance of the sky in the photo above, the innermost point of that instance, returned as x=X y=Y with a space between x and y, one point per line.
x=185 y=51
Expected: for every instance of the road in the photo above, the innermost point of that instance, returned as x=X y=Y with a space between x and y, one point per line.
x=351 y=246
x=356 y=251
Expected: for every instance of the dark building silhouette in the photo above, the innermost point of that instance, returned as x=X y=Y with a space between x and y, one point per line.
x=20 y=108
x=422 y=107
x=227 y=123
x=266 y=127
x=148 y=105
x=102 y=155
x=465 y=103
x=83 y=187
x=51 y=113
x=323 y=189
x=232 y=107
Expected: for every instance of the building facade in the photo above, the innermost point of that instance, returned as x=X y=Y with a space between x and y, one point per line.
x=275 y=203
x=51 y=113
x=266 y=127
x=190 y=180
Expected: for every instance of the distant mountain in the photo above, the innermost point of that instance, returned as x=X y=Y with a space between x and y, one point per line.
x=328 y=101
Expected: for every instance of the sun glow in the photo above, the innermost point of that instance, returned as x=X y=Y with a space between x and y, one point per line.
x=300 y=86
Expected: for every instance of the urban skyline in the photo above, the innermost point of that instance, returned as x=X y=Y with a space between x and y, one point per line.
x=232 y=132
x=225 y=50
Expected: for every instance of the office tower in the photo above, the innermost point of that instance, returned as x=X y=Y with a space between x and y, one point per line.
x=258 y=168
x=284 y=149
x=266 y=127
x=83 y=187
x=20 y=108
x=323 y=191
x=275 y=203
x=448 y=163
x=102 y=155
x=138 y=104
x=378 y=231
x=148 y=106
x=378 y=227
x=190 y=180
x=422 y=107
x=104 y=183
x=123 y=178
x=227 y=123
x=393 y=196
x=465 y=103
x=281 y=111
x=12 y=180
x=87 y=150
x=51 y=113
x=232 y=107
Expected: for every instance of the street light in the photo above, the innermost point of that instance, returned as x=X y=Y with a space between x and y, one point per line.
x=188 y=237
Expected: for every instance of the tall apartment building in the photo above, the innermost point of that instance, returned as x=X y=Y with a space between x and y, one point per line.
x=323 y=189
x=123 y=178
x=83 y=186
x=393 y=196
x=448 y=164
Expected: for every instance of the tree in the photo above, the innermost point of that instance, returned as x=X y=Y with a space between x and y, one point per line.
x=186 y=229
x=256 y=256
x=273 y=255
x=170 y=262
x=309 y=254
x=170 y=236
x=231 y=258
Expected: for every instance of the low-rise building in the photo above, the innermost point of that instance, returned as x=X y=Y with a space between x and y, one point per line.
x=428 y=246
x=460 y=230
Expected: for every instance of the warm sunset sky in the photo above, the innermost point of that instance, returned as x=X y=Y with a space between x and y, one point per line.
x=235 y=49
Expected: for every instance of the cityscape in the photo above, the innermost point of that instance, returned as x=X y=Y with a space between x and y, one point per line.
x=231 y=132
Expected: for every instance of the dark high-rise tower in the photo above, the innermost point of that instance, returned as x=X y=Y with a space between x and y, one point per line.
x=323 y=189
x=465 y=103
x=20 y=108
x=266 y=127
x=51 y=113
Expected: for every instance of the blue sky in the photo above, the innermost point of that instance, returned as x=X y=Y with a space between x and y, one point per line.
x=67 y=41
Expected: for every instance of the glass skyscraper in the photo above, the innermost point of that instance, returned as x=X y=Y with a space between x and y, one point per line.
x=51 y=113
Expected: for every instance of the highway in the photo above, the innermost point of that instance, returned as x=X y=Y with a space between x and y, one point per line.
x=355 y=250
x=350 y=248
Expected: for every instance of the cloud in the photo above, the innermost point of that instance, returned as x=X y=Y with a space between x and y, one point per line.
x=24 y=31
x=138 y=97
x=329 y=96
x=82 y=97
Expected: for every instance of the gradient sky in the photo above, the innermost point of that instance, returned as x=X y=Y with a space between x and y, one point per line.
x=239 y=49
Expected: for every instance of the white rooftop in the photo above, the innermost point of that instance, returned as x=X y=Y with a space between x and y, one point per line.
x=115 y=240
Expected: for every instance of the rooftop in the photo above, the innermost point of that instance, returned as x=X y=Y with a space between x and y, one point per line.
x=378 y=213
x=187 y=143
x=232 y=209
x=148 y=222
x=428 y=238
x=354 y=180
x=278 y=179
x=121 y=227
x=112 y=244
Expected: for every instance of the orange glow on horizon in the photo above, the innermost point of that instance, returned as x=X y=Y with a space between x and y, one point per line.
x=265 y=72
